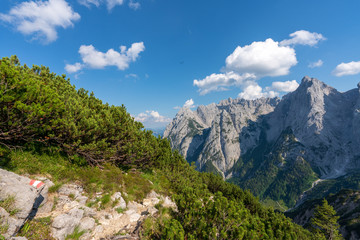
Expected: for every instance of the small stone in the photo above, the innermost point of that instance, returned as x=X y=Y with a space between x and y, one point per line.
x=86 y=223
x=121 y=202
x=82 y=199
x=89 y=212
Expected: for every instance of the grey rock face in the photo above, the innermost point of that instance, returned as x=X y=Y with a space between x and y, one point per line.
x=26 y=200
x=215 y=136
x=326 y=122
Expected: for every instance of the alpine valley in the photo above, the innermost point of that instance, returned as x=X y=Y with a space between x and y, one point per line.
x=285 y=151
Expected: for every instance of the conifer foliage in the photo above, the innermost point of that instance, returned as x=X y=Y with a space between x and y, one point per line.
x=325 y=221
x=37 y=106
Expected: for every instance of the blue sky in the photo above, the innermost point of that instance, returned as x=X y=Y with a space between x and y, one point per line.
x=181 y=52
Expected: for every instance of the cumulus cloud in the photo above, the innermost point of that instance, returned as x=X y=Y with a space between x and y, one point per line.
x=72 y=68
x=221 y=82
x=262 y=59
x=254 y=91
x=318 y=63
x=134 y=5
x=41 y=18
x=343 y=69
x=288 y=86
x=249 y=63
x=303 y=37
x=152 y=118
x=189 y=103
x=93 y=58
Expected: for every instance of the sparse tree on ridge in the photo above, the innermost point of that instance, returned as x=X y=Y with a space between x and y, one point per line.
x=325 y=221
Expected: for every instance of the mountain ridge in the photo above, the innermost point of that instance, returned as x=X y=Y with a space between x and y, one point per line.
x=312 y=133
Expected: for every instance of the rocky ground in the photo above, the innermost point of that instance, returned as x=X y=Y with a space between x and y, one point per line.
x=70 y=209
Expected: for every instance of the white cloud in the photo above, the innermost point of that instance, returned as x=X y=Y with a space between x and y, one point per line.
x=72 y=68
x=252 y=62
x=288 y=86
x=318 y=63
x=110 y=4
x=220 y=82
x=152 y=118
x=131 y=75
x=254 y=91
x=249 y=63
x=262 y=59
x=189 y=103
x=351 y=68
x=93 y=58
x=88 y=2
x=303 y=37
x=41 y=18
x=134 y=5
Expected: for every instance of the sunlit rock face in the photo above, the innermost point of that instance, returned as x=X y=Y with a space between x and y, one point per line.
x=215 y=136
x=324 y=121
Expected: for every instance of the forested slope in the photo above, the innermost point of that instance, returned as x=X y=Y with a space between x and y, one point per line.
x=43 y=115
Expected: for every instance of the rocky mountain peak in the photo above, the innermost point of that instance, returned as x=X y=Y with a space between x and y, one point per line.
x=216 y=130
x=321 y=118
x=313 y=86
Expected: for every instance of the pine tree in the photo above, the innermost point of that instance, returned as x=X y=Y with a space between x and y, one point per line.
x=325 y=221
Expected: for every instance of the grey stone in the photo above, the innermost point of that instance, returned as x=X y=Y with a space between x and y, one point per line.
x=87 y=223
x=82 y=199
x=121 y=202
x=152 y=194
x=85 y=236
x=133 y=215
x=89 y=212
x=73 y=189
x=65 y=224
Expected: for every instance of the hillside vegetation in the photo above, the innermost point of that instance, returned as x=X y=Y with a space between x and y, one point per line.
x=49 y=127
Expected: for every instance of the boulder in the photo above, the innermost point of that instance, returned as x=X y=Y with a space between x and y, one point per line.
x=25 y=200
x=65 y=224
x=86 y=224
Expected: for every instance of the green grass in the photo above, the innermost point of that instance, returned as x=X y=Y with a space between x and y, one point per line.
x=55 y=188
x=75 y=235
x=37 y=229
x=120 y=210
x=109 y=179
x=3 y=229
x=8 y=204
x=105 y=201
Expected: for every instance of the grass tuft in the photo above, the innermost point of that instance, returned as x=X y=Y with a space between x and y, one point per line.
x=75 y=235
x=8 y=204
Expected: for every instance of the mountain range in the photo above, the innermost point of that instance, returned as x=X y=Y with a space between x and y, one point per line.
x=276 y=148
